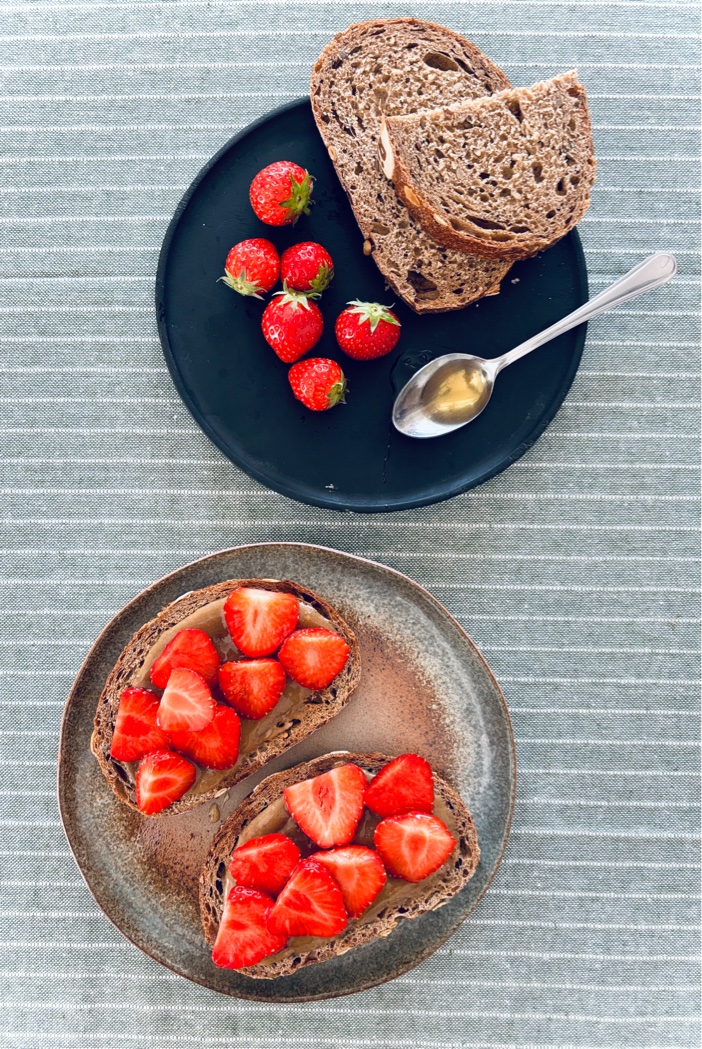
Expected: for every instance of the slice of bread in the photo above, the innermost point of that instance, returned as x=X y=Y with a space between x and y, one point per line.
x=504 y=176
x=386 y=68
x=275 y=733
x=397 y=902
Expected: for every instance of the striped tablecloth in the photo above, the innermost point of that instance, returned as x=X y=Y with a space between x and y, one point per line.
x=574 y=571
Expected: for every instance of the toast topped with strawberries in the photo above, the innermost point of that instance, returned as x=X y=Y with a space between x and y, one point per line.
x=330 y=855
x=222 y=681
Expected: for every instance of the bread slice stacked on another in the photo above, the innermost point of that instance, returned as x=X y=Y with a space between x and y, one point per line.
x=504 y=176
x=391 y=68
x=294 y=718
x=264 y=812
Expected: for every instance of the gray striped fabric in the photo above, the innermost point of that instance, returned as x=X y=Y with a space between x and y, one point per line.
x=574 y=571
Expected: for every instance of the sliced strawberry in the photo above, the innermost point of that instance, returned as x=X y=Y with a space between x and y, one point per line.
x=359 y=873
x=314 y=656
x=265 y=863
x=136 y=732
x=243 y=938
x=189 y=648
x=260 y=620
x=406 y=784
x=311 y=904
x=413 y=846
x=216 y=746
x=328 y=808
x=252 y=686
x=187 y=703
x=162 y=778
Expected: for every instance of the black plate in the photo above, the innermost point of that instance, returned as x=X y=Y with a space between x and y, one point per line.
x=349 y=458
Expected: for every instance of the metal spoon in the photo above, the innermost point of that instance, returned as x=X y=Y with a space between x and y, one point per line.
x=454 y=389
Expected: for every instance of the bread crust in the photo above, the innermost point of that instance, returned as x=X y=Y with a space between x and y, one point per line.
x=439 y=229
x=457 y=871
x=487 y=274
x=317 y=708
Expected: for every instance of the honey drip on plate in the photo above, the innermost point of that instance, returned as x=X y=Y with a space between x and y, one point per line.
x=455 y=394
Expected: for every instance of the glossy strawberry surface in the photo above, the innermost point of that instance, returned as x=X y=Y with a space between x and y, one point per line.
x=280 y=193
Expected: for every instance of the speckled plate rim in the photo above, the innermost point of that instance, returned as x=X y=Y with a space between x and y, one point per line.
x=115 y=623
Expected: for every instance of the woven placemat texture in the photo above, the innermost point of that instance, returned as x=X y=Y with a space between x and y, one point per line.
x=575 y=571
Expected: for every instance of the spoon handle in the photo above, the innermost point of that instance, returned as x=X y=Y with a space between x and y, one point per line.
x=657 y=269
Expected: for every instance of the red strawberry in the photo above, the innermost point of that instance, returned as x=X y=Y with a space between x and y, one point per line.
x=252 y=686
x=252 y=267
x=136 y=731
x=307 y=267
x=311 y=904
x=406 y=784
x=265 y=863
x=318 y=382
x=291 y=324
x=366 y=330
x=187 y=702
x=189 y=648
x=413 y=846
x=217 y=745
x=260 y=620
x=162 y=778
x=328 y=808
x=359 y=873
x=280 y=193
x=243 y=938
x=314 y=656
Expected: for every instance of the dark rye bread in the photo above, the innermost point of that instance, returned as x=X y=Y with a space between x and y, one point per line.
x=504 y=176
x=445 y=884
x=317 y=708
x=385 y=68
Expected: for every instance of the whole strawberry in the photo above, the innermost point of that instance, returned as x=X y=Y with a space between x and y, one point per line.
x=307 y=267
x=291 y=324
x=252 y=266
x=280 y=193
x=366 y=330
x=318 y=382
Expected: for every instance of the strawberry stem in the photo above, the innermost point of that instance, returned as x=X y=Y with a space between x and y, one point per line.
x=241 y=284
x=298 y=203
x=337 y=393
x=319 y=283
x=373 y=312
x=294 y=298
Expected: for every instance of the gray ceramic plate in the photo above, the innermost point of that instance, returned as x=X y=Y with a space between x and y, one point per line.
x=425 y=688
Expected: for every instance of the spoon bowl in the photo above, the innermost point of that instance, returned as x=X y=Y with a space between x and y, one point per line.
x=454 y=389
x=444 y=394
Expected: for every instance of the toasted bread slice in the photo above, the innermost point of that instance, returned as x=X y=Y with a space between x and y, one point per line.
x=262 y=740
x=263 y=812
x=385 y=68
x=504 y=176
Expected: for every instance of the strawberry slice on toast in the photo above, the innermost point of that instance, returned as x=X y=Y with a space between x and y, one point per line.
x=405 y=784
x=314 y=656
x=328 y=808
x=265 y=863
x=189 y=648
x=413 y=846
x=260 y=620
x=136 y=731
x=243 y=937
x=162 y=778
x=252 y=686
x=359 y=873
x=216 y=746
x=187 y=703
x=311 y=904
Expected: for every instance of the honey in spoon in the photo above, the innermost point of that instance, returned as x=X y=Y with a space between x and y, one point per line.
x=456 y=394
